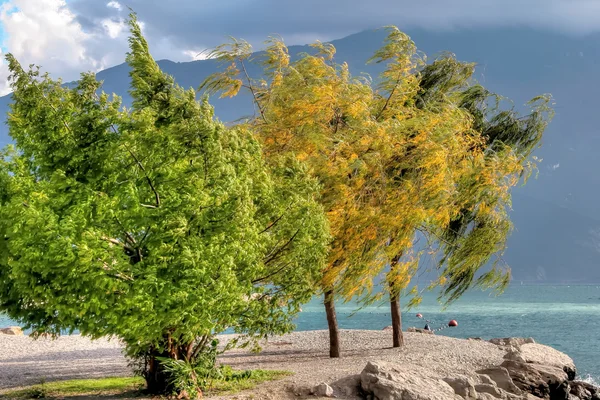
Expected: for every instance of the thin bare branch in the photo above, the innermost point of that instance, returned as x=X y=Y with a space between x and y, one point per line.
x=260 y=109
x=274 y=256
x=137 y=161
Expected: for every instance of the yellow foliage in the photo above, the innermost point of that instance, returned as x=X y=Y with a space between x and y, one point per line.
x=387 y=167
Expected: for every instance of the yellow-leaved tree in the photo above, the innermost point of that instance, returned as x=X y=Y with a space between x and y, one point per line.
x=389 y=161
x=475 y=225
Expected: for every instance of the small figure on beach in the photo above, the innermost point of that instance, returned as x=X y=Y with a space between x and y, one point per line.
x=427 y=328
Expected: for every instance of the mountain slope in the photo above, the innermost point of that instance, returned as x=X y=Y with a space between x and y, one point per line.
x=557 y=216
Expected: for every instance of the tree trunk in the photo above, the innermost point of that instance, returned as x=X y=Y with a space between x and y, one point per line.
x=334 y=333
x=157 y=379
x=396 y=320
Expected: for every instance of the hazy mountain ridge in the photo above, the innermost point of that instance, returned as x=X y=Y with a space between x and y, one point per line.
x=557 y=216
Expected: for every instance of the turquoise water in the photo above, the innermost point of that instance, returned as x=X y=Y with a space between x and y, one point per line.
x=564 y=317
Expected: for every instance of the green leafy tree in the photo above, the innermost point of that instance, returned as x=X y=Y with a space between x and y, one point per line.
x=156 y=225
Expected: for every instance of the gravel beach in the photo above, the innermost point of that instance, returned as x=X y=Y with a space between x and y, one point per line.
x=24 y=361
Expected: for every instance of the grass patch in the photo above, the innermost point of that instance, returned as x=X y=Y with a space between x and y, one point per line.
x=132 y=387
x=79 y=387
x=243 y=381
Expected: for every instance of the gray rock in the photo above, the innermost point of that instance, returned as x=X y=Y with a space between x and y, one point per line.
x=538 y=380
x=298 y=390
x=490 y=389
x=581 y=390
x=12 y=330
x=463 y=386
x=512 y=342
x=348 y=386
x=501 y=378
x=485 y=396
x=514 y=354
x=486 y=379
x=544 y=355
x=323 y=390
x=383 y=381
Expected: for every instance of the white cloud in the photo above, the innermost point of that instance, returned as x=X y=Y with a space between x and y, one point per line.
x=67 y=37
x=50 y=34
x=114 y=4
x=114 y=28
x=195 y=55
x=44 y=32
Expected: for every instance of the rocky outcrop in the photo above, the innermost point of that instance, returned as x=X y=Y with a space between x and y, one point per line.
x=529 y=371
x=383 y=381
x=584 y=391
x=544 y=355
x=500 y=377
x=540 y=380
x=12 y=330
x=463 y=386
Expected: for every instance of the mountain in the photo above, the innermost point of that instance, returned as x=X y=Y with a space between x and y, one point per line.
x=557 y=215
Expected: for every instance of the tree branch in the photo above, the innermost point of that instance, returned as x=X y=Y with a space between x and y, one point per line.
x=272 y=273
x=272 y=224
x=387 y=101
x=271 y=258
x=262 y=114
x=137 y=161
x=116 y=242
x=129 y=236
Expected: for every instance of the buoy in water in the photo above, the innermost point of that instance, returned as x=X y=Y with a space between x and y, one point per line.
x=419 y=315
x=453 y=323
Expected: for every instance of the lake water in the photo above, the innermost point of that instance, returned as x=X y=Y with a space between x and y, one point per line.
x=564 y=317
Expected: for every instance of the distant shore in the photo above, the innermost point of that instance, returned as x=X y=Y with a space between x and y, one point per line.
x=26 y=362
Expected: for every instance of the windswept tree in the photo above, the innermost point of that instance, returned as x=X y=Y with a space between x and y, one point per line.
x=156 y=225
x=475 y=235
x=387 y=165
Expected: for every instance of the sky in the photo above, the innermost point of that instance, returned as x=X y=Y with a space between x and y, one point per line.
x=66 y=37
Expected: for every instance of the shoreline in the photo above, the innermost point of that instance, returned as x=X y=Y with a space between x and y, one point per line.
x=431 y=357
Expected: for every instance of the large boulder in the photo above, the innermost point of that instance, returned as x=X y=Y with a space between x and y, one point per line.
x=383 y=381
x=348 y=386
x=502 y=379
x=12 y=330
x=463 y=386
x=544 y=381
x=584 y=391
x=545 y=355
